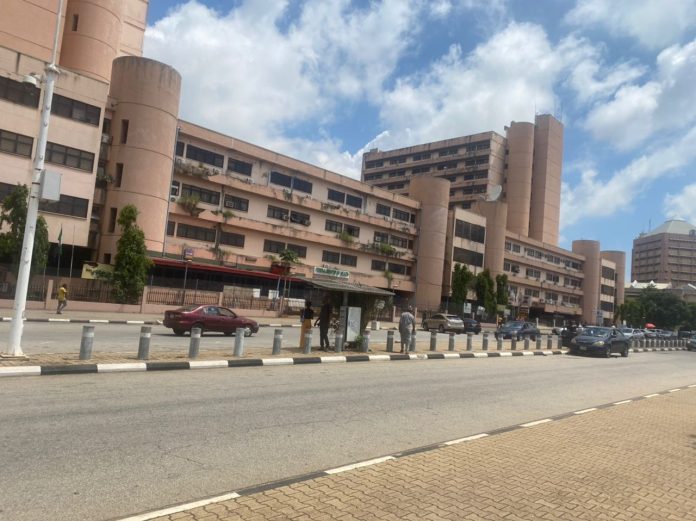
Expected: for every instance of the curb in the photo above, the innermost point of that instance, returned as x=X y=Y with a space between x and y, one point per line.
x=87 y=321
x=262 y=487
x=45 y=370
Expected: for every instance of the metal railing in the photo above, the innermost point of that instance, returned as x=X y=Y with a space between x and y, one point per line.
x=35 y=292
x=181 y=297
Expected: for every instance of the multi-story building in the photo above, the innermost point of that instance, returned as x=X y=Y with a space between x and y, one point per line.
x=666 y=254
x=221 y=210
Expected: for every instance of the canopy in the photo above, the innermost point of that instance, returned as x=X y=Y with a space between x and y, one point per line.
x=348 y=287
x=650 y=326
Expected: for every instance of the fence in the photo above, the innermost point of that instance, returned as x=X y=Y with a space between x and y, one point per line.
x=181 y=297
x=234 y=301
x=88 y=290
x=36 y=290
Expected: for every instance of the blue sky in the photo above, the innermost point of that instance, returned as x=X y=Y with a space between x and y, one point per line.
x=325 y=80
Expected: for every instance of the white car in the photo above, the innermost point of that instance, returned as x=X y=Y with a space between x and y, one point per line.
x=632 y=333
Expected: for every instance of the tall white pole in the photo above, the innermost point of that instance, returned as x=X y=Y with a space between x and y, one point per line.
x=20 y=301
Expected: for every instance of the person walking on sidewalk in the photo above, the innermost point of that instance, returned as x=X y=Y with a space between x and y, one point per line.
x=324 y=321
x=407 y=326
x=62 y=299
x=306 y=317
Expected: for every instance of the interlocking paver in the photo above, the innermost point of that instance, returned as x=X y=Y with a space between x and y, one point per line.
x=635 y=462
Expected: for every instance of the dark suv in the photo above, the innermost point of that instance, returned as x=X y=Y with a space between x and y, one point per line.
x=471 y=325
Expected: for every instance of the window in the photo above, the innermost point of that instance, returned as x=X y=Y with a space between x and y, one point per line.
x=301 y=185
x=472 y=232
x=383 y=209
x=170 y=227
x=607 y=290
x=399 y=269
x=607 y=306
x=75 y=21
x=531 y=292
x=273 y=246
x=300 y=218
x=278 y=213
x=397 y=160
x=464 y=256
x=531 y=252
x=240 y=167
x=353 y=231
x=71 y=157
x=333 y=226
x=176 y=186
x=204 y=196
x=119 y=175
x=399 y=242
x=552 y=277
x=197 y=233
x=335 y=195
x=397 y=173
x=124 y=130
x=107 y=258
x=232 y=239
x=67 y=205
x=112 y=219
x=300 y=250
x=420 y=170
x=12 y=143
x=237 y=203
x=551 y=297
x=331 y=256
x=374 y=164
x=608 y=273
x=449 y=152
x=382 y=237
x=354 y=201
x=401 y=215
x=281 y=179
x=532 y=273
x=420 y=157
x=349 y=260
x=372 y=177
x=77 y=110
x=18 y=92
x=379 y=265
x=180 y=148
x=447 y=166
x=204 y=156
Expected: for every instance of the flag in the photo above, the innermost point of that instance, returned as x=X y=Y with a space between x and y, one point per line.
x=60 y=240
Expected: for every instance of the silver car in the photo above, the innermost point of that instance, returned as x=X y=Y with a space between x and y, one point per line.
x=632 y=333
x=444 y=322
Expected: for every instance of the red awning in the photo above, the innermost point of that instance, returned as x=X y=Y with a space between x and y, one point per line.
x=220 y=269
x=650 y=326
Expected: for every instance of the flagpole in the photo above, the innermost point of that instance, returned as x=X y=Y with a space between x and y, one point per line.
x=60 y=250
x=72 y=250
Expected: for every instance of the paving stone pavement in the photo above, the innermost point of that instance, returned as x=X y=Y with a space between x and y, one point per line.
x=635 y=461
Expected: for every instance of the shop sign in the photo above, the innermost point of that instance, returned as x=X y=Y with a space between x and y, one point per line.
x=331 y=272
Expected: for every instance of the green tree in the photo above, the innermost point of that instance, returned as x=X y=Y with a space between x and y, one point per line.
x=485 y=292
x=501 y=290
x=632 y=312
x=461 y=282
x=132 y=263
x=13 y=214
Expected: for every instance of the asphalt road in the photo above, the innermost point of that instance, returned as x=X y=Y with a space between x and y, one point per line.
x=104 y=446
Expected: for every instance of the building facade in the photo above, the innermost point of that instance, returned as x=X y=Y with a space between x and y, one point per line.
x=666 y=254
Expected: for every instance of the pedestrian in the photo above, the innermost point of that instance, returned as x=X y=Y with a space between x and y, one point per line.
x=324 y=321
x=306 y=317
x=62 y=299
x=407 y=326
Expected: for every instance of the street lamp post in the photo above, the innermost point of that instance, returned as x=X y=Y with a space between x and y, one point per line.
x=20 y=301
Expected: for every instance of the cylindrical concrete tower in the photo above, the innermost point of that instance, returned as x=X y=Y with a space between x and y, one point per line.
x=144 y=129
x=91 y=36
x=520 y=141
x=592 y=269
x=618 y=258
x=433 y=194
x=496 y=213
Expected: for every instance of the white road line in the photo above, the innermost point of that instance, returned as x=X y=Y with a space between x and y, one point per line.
x=207 y=364
x=622 y=402
x=277 y=361
x=181 y=508
x=468 y=438
x=359 y=465
x=692 y=385
x=673 y=390
x=586 y=410
x=21 y=370
x=117 y=368
x=651 y=395
x=538 y=422
x=332 y=359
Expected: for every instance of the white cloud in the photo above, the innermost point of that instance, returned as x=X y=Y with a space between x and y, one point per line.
x=654 y=23
x=664 y=103
x=681 y=205
x=595 y=197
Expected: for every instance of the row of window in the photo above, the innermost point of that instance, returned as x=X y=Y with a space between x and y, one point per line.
x=13 y=143
x=464 y=256
x=451 y=151
x=291 y=182
x=536 y=254
x=277 y=247
x=394 y=240
x=335 y=257
x=339 y=227
x=472 y=232
x=607 y=290
x=344 y=198
x=200 y=233
x=608 y=273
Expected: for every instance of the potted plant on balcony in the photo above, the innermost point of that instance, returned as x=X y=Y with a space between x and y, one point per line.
x=190 y=204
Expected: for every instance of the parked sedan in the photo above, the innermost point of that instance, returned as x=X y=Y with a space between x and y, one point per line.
x=518 y=329
x=691 y=343
x=602 y=340
x=632 y=333
x=443 y=322
x=471 y=325
x=208 y=318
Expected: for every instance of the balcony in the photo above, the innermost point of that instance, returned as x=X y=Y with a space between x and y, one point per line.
x=200 y=170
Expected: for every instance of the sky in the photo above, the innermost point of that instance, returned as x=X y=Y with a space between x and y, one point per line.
x=326 y=80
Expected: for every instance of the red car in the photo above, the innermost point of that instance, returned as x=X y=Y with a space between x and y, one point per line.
x=208 y=318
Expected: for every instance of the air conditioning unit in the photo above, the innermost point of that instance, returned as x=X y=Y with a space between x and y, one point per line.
x=172 y=199
x=285 y=217
x=542 y=301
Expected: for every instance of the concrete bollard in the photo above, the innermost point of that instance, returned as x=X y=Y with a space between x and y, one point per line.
x=513 y=343
x=558 y=342
x=339 y=343
x=195 y=342
x=549 y=342
x=390 y=341
x=526 y=343
x=87 y=342
x=433 y=340
x=484 y=344
x=412 y=345
x=277 y=341
x=144 y=343
x=538 y=342
x=469 y=341
x=365 y=344
x=239 y=341
x=450 y=344
x=499 y=342
x=307 y=342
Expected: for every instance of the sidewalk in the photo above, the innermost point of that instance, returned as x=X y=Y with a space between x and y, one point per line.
x=633 y=460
